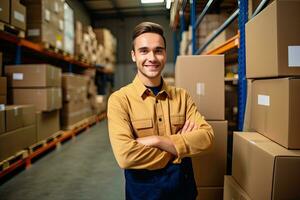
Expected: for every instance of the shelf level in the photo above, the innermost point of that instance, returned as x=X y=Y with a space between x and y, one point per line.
x=226 y=46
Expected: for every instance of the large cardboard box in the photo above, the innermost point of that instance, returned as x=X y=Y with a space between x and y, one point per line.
x=42 y=33
x=2 y=120
x=213 y=161
x=47 y=123
x=28 y=112
x=274 y=52
x=233 y=191
x=3 y=99
x=13 y=117
x=203 y=78
x=16 y=140
x=1 y=62
x=33 y=75
x=44 y=99
x=275 y=110
x=209 y=193
x=264 y=169
x=4 y=11
x=3 y=86
x=18 y=14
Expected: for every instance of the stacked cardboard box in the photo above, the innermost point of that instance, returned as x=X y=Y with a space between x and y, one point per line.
x=45 y=22
x=69 y=35
x=17 y=129
x=203 y=78
x=14 y=13
x=38 y=84
x=76 y=106
x=262 y=160
x=3 y=90
x=4 y=11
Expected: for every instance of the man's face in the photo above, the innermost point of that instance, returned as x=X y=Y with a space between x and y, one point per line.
x=150 y=55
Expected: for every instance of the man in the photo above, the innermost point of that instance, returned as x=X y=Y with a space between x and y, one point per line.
x=154 y=128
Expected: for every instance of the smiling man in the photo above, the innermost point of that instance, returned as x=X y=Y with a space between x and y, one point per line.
x=155 y=128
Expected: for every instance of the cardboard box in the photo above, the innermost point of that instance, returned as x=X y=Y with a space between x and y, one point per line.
x=47 y=123
x=203 y=78
x=1 y=62
x=42 y=33
x=14 y=141
x=44 y=99
x=28 y=112
x=18 y=14
x=33 y=75
x=214 y=161
x=3 y=99
x=70 y=80
x=274 y=52
x=247 y=118
x=264 y=169
x=275 y=110
x=3 y=86
x=2 y=120
x=13 y=117
x=233 y=191
x=209 y=193
x=4 y=11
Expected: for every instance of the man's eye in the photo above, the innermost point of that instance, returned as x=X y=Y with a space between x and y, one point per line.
x=143 y=51
x=159 y=51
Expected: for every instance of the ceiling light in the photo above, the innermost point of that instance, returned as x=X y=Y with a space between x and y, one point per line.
x=152 y=1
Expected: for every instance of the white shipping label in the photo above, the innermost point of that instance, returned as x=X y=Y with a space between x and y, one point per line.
x=19 y=16
x=33 y=32
x=18 y=76
x=47 y=15
x=200 y=89
x=56 y=9
x=263 y=100
x=2 y=106
x=294 y=56
x=61 y=25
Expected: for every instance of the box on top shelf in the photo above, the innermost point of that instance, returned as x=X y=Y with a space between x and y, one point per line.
x=18 y=14
x=264 y=169
x=33 y=75
x=68 y=29
x=203 y=78
x=214 y=160
x=274 y=52
x=275 y=110
x=233 y=191
x=4 y=10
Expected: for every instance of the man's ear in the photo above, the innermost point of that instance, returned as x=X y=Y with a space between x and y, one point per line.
x=133 y=55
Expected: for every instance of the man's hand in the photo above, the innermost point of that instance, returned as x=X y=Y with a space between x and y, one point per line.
x=160 y=142
x=188 y=126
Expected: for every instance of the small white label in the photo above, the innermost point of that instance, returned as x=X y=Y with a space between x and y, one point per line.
x=19 y=16
x=200 y=89
x=263 y=100
x=33 y=32
x=2 y=106
x=58 y=44
x=1 y=9
x=17 y=76
x=61 y=25
x=56 y=9
x=16 y=111
x=47 y=15
x=294 y=56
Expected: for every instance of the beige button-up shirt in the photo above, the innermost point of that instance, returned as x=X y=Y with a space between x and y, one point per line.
x=134 y=111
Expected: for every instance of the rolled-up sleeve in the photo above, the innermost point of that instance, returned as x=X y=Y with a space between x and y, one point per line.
x=128 y=152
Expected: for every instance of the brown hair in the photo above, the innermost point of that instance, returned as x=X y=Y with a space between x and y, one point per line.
x=147 y=27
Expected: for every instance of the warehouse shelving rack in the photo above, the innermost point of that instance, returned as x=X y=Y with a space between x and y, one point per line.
x=238 y=41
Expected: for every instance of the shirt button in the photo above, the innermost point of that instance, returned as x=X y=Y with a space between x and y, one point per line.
x=160 y=119
x=156 y=101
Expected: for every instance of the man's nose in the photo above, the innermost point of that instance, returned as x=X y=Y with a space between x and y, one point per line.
x=151 y=56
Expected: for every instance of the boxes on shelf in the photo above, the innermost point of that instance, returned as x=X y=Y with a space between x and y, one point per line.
x=264 y=169
x=210 y=193
x=2 y=120
x=274 y=52
x=213 y=161
x=203 y=78
x=47 y=123
x=68 y=29
x=232 y=190
x=3 y=90
x=16 y=140
x=4 y=11
x=18 y=14
x=275 y=112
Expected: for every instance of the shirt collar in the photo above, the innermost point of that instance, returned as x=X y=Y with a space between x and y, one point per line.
x=142 y=89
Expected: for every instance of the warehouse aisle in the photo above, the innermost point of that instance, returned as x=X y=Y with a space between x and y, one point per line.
x=83 y=168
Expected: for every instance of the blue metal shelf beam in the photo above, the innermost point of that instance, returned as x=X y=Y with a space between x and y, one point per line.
x=259 y=8
x=193 y=21
x=203 y=13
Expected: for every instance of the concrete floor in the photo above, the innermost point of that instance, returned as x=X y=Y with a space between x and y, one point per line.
x=83 y=168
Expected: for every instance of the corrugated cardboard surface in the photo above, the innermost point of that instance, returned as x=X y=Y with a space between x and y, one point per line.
x=3 y=86
x=47 y=124
x=28 y=114
x=203 y=78
x=209 y=193
x=4 y=11
x=1 y=64
x=14 y=141
x=279 y=119
x=18 y=14
x=210 y=167
x=42 y=32
x=267 y=51
x=13 y=117
x=233 y=191
x=264 y=169
x=2 y=121
x=33 y=75
x=3 y=99
x=45 y=99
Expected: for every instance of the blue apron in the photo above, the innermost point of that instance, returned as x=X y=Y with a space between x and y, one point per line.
x=174 y=182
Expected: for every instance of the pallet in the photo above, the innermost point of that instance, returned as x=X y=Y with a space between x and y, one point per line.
x=35 y=147
x=51 y=47
x=5 y=164
x=12 y=30
x=78 y=125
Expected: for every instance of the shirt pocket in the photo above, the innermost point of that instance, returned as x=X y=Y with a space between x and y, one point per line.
x=143 y=127
x=177 y=122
